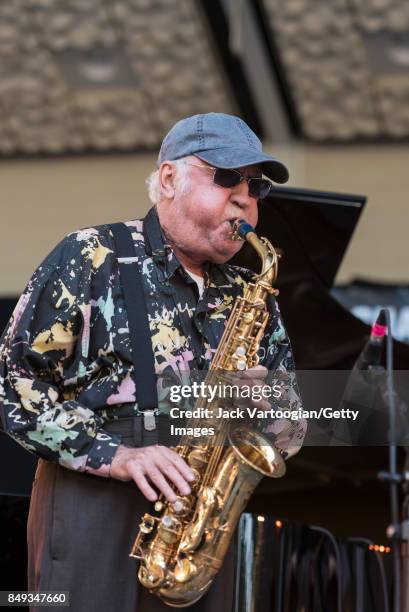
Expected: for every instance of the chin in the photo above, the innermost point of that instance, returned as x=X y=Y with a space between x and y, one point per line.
x=221 y=259
x=221 y=256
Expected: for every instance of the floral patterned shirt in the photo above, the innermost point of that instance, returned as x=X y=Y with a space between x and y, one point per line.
x=65 y=357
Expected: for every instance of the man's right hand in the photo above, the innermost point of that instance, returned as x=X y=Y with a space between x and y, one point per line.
x=156 y=464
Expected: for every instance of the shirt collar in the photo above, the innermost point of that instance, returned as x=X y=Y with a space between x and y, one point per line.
x=156 y=245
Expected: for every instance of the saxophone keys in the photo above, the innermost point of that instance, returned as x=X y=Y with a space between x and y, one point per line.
x=241 y=364
x=147 y=523
x=169 y=530
x=137 y=551
x=185 y=569
x=178 y=506
x=167 y=521
x=152 y=577
x=181 y=506
x=240 y=351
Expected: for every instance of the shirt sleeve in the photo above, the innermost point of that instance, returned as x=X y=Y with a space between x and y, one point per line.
x=40 y=355
x=289 y=430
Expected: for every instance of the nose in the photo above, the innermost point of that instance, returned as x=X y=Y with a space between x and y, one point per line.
x=240 y=196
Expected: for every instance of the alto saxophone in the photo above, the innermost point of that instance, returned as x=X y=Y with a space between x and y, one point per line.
x=182 y=547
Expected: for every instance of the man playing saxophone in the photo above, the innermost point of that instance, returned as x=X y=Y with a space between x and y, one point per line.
x=67 y=383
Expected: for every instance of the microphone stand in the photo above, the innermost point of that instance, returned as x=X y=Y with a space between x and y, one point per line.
x=405 y=536
x=397 y=531
x=368 y=381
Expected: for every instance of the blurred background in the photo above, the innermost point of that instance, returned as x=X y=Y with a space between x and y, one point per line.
x=88 y=89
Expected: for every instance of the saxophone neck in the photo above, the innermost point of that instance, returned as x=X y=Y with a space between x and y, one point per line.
x=269 y=256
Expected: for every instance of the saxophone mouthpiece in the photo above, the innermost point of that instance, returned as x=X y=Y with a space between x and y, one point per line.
x=240 y=229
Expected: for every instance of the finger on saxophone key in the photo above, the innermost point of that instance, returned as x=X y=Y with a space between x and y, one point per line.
x=153 y=463
x=180 y=464
x=175 y=477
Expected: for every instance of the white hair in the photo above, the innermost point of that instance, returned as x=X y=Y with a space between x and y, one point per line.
x=182 y=182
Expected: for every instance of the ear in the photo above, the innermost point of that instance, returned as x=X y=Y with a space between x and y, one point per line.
x=167 y=173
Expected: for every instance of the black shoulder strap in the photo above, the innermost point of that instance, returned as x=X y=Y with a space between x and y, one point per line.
x=141 y=344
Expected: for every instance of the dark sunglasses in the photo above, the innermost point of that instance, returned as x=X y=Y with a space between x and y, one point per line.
x=259 y=188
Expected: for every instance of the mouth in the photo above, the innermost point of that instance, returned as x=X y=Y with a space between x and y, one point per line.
x=233 y=234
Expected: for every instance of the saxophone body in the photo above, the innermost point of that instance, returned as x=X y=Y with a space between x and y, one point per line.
x=182 y=546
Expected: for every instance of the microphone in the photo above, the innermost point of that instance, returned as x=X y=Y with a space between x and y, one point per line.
x=371 y=354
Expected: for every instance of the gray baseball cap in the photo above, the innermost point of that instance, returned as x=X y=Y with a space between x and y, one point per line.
x=221 y=140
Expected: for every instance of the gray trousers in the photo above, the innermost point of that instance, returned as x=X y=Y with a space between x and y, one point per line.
x=80 y=531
